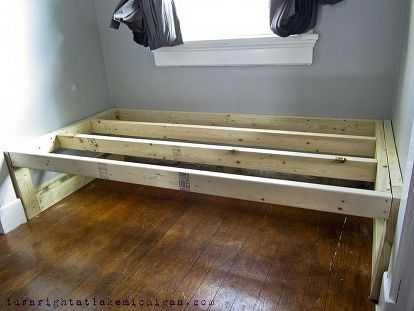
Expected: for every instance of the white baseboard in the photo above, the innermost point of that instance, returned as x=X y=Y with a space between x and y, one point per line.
x=11 y=216
x=385 y=303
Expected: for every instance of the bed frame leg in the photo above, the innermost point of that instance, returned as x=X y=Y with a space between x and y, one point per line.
x=384 y=230
x=382 y=254
x=22 y=182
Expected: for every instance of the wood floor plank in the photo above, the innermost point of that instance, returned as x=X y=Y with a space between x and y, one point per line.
x=127 y=248
x=122 y=241
x=184 y=254
x=241 y=276
x=123 y=248
x=347 y=270
x=223 y=263
x=300 y=272
x=154 y=261
x=320 y=260
x=90 y=239
x=184 y=286
x=282 y=273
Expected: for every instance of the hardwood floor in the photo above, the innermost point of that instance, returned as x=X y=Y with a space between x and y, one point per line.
x=149 y=245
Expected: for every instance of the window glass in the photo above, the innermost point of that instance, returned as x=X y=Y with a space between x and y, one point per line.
x=223 y=19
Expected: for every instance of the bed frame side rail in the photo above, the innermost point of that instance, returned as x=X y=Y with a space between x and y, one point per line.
x=291 y=193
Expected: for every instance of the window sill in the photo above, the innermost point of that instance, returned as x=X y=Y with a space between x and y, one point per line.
x=263 y=51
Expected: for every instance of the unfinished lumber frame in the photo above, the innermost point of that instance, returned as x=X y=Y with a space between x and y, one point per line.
x=350 y=150
x=389 y=178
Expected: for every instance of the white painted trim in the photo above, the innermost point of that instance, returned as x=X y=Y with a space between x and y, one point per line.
x=263 y=51
x=11 y=216
x=385 y=303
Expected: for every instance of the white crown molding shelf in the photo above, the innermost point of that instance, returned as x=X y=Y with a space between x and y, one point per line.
x=263 y=51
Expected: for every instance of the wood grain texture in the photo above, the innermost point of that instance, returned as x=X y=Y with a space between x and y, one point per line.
x=383 y=175
x=384 y=230
x=23 y=186
x=272 y=122
x=277 y=191
x=363 y=146
x=58 y=188
x=121 y=240
x=48 y=142
x=351 y=168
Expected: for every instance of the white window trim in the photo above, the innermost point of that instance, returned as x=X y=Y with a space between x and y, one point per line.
x=266 y=50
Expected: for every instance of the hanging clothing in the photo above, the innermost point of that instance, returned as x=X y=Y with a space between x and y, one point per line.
x=154 y=23
x=291 y=17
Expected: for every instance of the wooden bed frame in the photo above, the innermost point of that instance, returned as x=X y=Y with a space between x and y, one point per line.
x=229 y=155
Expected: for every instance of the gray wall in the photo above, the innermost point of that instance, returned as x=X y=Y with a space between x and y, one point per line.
x=53 y=71
x=353 y=75
x=403 y=113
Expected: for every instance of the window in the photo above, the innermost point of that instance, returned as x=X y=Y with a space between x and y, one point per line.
x=232 y=33
x=223 y=19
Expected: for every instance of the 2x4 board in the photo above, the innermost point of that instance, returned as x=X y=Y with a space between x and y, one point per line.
x=346 y=166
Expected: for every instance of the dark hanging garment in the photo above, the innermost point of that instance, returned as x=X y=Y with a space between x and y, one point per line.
x=154 y=23
x=292 y=17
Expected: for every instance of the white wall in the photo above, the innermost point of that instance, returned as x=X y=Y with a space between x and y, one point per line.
x=403 y=112
x=353 y=75
x=52 y=71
